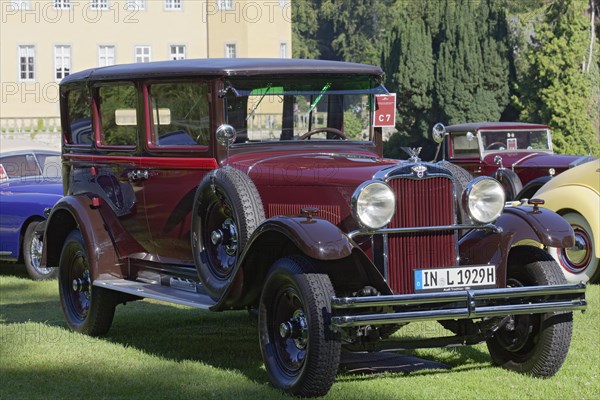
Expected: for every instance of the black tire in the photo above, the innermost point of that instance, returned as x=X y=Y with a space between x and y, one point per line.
x=535 y=344
x=87 y=310
x=579 y=263
x=462 y=177
x=32 y=255
x=300 y=352
x=510 y=181
x=227 y=209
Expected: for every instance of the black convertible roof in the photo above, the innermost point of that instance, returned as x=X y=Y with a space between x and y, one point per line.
x=215 y=67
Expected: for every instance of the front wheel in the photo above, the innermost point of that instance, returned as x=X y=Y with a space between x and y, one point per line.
x=32 y=254
x=87 y=311
x=579 y=263
x=300 y=352
x=535 y=344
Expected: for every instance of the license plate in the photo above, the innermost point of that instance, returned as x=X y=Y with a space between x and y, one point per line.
x=455 y=278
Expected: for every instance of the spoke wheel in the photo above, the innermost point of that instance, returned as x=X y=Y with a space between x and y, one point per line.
x=87 y=310
x=300 y=351
x=33 y=245
x=579 y=263
x=533 y=344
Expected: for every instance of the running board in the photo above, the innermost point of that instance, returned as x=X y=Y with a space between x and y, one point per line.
x=196 y=298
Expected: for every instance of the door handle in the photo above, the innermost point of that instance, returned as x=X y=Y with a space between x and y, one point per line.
x=137 y=175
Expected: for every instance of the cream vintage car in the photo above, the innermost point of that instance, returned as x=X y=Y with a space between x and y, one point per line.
x=575 y=194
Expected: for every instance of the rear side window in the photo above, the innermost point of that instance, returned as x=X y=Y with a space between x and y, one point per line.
x=180 y=114
x=21 y=165
x=118 y=115
x=79 y=127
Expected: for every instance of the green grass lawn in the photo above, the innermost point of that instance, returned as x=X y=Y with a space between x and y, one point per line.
x=156 y=350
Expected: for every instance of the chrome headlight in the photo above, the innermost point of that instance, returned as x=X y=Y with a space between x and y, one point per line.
x=373 y=204
x=484 y=199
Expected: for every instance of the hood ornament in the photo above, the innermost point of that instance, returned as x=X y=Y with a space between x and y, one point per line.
x=413 y=153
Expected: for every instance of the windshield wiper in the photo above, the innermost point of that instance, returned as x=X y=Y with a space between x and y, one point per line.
x=314 y=104
x=251 y=114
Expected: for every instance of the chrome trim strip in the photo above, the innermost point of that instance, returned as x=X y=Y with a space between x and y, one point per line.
x=490 y=227
x=527 y=302
x=519 y=161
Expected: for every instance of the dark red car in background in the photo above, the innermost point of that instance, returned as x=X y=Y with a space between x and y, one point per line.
x=518 y=154
x=228 y=184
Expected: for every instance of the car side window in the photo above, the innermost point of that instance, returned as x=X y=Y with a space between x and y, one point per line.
x=118 y=115
x=180 y=114
x=464 y=145
x=21 y=165
x=79 y=113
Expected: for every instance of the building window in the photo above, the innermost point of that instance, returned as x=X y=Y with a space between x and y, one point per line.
x=172 y=4
x=177 y=52
x=20 y=4
x=62 y=61
x=230 y=50
x=283 y=50
x=99 y=4
x=106 y=55
x=142 y=54
x=26 y=63
x=62 y=4
x=135 y=5
x=225 y=4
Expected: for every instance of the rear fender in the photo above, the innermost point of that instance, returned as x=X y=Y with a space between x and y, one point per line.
x=337 y=255
x=78 y=212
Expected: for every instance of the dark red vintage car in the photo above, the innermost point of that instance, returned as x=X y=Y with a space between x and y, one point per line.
x=518 y=154
x=260 y=184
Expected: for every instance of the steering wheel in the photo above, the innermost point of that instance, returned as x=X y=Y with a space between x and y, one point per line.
x=335 y=131
x=500 y=146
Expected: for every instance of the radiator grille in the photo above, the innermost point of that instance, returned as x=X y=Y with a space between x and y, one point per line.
x=420 y=202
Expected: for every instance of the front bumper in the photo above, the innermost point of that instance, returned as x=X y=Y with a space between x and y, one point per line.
x=464 y=304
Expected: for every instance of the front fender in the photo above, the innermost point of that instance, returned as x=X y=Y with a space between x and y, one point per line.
x=281 y=236
x=78 y=212
x=533 y=186
x=315 y=237
x=537 y=224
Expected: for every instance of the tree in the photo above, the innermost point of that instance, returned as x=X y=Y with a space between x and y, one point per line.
x=448 y=61
x=555 y=90
x=305 y=28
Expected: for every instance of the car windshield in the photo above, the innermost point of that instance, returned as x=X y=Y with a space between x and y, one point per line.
x=301 y=109
x=535 y=139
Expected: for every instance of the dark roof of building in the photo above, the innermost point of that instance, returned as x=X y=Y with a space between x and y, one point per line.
x=215 y=67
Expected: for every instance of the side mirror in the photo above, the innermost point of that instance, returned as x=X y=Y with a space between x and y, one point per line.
x=226 y=135
x=438 y=132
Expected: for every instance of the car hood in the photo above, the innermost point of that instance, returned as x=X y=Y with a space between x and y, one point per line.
x=535 y=160
x=311 y=169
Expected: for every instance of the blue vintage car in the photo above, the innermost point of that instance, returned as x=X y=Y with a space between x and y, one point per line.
x=30 y=182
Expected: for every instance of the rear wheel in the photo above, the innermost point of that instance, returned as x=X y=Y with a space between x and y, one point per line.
x=579 y=263
x=87 y=310
x=300 y=352
x=32 y=254
x=535 y=344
